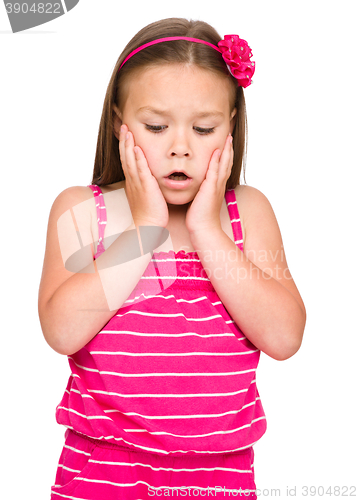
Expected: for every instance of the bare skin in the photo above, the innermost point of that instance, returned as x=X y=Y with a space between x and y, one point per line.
x=160 y=129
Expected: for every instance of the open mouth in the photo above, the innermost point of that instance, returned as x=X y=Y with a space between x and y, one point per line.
x=178 y=176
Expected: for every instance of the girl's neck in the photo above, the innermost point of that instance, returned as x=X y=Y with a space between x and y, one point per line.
x=178 y=211
x=177 y=216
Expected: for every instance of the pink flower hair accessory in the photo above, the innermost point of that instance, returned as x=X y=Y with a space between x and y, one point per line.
x=237 y=53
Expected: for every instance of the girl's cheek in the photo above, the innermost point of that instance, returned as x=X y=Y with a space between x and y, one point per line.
x=150 y=156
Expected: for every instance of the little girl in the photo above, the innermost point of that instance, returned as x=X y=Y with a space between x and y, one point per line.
x=161 y=295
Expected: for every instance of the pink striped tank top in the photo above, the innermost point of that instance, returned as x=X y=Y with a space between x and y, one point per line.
x=171 y=372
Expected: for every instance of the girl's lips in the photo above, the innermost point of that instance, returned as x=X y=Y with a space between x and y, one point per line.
x=171 y=183
x=178 y=172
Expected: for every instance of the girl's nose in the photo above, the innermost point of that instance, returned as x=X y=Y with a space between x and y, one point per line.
x=180 y=147
x=173 y=153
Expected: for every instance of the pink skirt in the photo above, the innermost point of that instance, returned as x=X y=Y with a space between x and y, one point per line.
x=89 y=469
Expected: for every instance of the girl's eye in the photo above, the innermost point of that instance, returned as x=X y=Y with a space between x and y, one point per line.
x=204 y=131
x=155 y=128
x=159 y=128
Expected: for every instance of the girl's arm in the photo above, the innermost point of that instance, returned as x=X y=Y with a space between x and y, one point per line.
x=73 y=306
x=255 y=286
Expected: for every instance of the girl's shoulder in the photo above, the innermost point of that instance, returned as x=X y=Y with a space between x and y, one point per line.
x=71 y=197
x=248 y=197
x=263 y=244
x=255 y=211
x=81 y=202
x=77 y=196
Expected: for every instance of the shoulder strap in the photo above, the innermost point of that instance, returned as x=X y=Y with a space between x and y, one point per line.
x=231 y=202
x=101 y=217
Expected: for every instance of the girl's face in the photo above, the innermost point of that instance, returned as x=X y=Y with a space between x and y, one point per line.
x=178 y=116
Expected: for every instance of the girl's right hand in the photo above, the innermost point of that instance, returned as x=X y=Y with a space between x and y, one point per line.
x=145 y=198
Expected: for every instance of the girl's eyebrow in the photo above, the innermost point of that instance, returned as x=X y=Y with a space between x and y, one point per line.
x=163 y=112
x=153 y=111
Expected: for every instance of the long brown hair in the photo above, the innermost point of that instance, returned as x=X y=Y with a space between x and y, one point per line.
x=107 y=165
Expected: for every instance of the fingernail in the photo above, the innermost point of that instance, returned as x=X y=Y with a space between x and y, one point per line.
x=127 y=136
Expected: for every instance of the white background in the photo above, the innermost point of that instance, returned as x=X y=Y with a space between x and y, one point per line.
x=302 y=117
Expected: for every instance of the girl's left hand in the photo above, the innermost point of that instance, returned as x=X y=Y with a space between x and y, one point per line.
x=204 y=211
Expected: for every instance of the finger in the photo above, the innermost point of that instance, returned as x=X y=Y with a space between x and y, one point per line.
x=122 y=136
x=231 y=159
x=214 y=164
x=128 y=148
x=130 y=160
x=226 y=159
x=142 y=164
x=225 y=156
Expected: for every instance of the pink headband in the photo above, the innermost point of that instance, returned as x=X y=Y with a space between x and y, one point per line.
x=235 y=52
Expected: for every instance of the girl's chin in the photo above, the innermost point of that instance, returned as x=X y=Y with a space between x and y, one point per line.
x=179 y=200
x=178 y=206
x=177 y=196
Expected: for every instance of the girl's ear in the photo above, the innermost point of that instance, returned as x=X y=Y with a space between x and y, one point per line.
x=233 y=120
x=117 y=121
